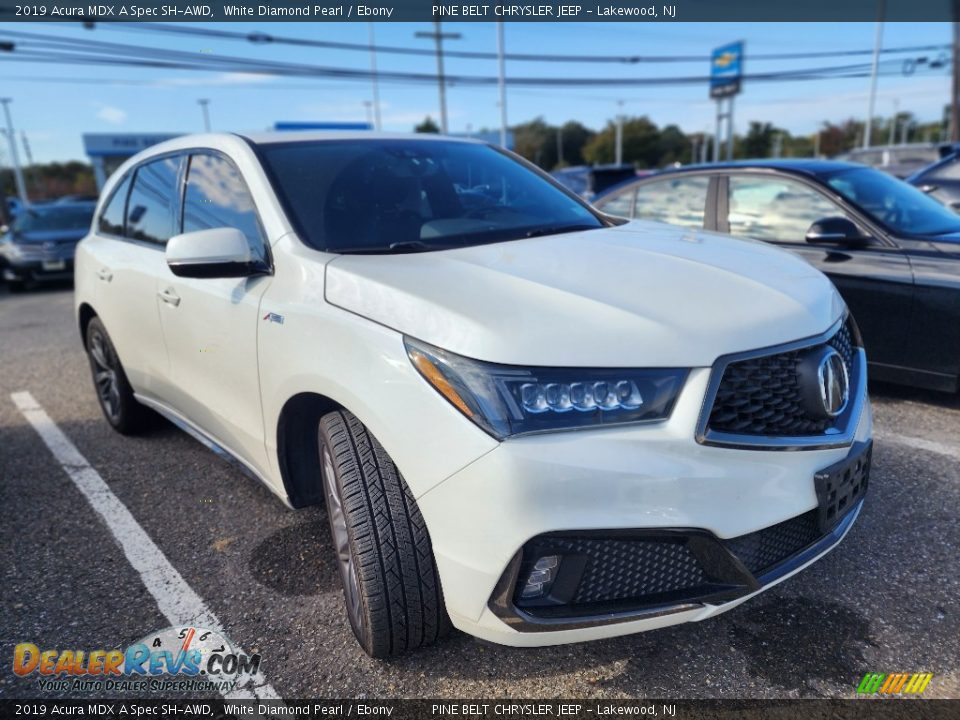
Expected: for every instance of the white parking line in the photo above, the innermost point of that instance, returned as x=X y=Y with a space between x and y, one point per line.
x=175 y=598
x=920 y=444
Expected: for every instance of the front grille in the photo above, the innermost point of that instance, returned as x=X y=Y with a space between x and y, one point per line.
x=762 y=395
x=766 y=548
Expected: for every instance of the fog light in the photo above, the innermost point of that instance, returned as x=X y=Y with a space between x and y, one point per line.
x=541 y=577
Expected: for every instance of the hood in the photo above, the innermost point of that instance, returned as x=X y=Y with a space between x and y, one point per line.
x=38 y=237
x=641 y=294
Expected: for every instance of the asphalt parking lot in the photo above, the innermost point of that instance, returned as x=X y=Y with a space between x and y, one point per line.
x=887 y=600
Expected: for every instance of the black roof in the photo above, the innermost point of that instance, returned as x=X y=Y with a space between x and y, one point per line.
x=806 y=166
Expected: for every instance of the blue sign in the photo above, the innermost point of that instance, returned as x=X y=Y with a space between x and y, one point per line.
x=726 y=70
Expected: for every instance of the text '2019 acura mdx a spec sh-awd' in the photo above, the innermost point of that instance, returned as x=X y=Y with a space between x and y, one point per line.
x=525 y=418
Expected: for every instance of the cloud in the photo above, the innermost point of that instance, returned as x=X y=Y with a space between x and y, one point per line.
x=227 y=78
x=112 y=115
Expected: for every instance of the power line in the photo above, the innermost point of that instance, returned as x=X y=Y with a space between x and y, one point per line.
x=49 y=49
x=263 y=38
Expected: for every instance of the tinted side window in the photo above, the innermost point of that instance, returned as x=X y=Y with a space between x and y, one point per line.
x=152 y=198
x=947 y=171
x=678 y=201
x=619 y=204
x=775 y=209
x=111 y=219
x=216 y=196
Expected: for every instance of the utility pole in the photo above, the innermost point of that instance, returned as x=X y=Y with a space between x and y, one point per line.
x=904 y=129
x=14 y=156
x=438 y=36
x=502 y=82
x=369 y=106
x=375 y=79
x=31 y=176
x=204 y=103
x=868 y=129
x=893 y=122
x=619 y=148
x=816 y=145
x=559 y=145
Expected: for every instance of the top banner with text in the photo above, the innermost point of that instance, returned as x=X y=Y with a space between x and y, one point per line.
x=424 y=10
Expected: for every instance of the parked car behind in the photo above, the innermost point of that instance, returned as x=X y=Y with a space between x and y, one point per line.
x=941 y=180
x=893 y=252
x=897 y=160
x=525 y=418
x=40 y=243
x=589 y=181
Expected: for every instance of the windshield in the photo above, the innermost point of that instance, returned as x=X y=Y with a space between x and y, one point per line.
x=898 y=205
x=53 y=218
x=355 y=196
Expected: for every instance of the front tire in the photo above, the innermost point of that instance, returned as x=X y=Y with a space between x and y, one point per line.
x=390 y=582
x=114 y=393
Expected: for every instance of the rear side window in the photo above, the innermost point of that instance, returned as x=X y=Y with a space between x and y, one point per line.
x=619 y=204
x=678 y=201
x=111 y=219
x=152 y=199
x=216 y=196
x=775 y=209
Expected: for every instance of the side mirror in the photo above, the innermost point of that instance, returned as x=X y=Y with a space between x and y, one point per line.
x=836 y=231
x=216 y=253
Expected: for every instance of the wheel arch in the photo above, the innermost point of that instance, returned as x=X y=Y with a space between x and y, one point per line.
x=85 y=313
x=298 y=450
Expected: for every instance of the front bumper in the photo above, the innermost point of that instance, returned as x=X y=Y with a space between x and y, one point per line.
x=53 y=268
x=619 y=479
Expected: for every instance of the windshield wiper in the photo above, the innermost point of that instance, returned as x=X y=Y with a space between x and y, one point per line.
x=407 y=246
x=539 y=232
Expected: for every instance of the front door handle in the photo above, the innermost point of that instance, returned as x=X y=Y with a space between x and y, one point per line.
x=104 y=274
x=169 y=297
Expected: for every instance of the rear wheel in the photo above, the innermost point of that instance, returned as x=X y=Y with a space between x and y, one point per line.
x=390 y=582
x=114 y=393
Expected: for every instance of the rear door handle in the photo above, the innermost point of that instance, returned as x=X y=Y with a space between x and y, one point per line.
x=169 y=297
x=105 y=274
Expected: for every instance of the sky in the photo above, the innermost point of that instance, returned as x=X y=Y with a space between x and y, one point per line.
x=54 y=105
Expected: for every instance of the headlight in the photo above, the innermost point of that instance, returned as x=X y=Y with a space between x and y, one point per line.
x=508 y=400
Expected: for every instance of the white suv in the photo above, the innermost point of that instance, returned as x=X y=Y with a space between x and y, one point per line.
x=534 y=421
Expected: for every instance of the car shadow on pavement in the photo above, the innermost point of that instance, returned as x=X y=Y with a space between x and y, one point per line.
x=888 y=391
x=298 y=560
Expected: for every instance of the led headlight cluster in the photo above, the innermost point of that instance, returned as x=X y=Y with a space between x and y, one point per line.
x=508 y=400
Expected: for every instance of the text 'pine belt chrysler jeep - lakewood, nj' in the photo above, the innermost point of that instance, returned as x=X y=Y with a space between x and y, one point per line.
x=526 y=418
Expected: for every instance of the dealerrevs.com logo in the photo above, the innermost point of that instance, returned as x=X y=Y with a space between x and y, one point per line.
x=186 y=659
x=894 y=683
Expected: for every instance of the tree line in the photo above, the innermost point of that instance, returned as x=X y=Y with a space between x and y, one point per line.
x=647 y=145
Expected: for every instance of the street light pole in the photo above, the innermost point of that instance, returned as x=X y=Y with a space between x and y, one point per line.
x=619 y=147
x=204 y=102
x=376 y=81
x=14 y=155
x=894 y=121
x=502 y=81
x=438 y=36
x=868 y=129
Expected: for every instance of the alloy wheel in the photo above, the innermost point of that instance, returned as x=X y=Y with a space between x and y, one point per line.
x=104 y=363
x=341 y=538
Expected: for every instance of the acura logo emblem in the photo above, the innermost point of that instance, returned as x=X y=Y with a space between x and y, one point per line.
x=834 y=383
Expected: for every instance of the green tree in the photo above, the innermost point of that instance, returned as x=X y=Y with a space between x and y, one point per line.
x=427 y=126
x=759 y=140
x=641 y=143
